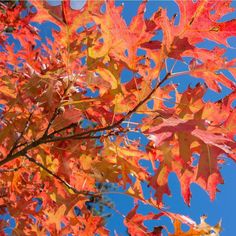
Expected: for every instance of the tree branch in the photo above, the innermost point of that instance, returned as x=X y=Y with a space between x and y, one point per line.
x=10 y=170
x=109 y=127
x=55 y=113
x=21 y=134
x=90 y=136
x=72 y=125
x=58 y=177
x=44 y=140
x=83 y=135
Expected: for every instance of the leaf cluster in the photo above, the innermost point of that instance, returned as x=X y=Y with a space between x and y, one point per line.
x=66 y=116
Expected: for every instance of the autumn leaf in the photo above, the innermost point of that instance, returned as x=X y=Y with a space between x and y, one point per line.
x=134 y=223
x=201 y=229
x=56 y=218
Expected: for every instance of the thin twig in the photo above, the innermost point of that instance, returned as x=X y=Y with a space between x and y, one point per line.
x=78 y=137
x=10 y=170
x=129 y=113
x=21 y=134
x=22 y=144
x=72 y=125
x=55 y=113
x=44 y=140
x=59 y=178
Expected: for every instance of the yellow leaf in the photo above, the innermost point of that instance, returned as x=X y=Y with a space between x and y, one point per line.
x=107 y=76
x=119 y=107
x=85 y=162
x=56 y=218
x=53 y=197
x=8 y=92
x=197 y=230
x=136 y=190
x=78 y=101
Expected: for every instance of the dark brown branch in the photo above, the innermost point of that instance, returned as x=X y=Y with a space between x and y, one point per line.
x=83 y=135
x=36 y=143
x=87 y=193
x=90 y=136
x=72 y=125
x=55 y=113
x=109 y=127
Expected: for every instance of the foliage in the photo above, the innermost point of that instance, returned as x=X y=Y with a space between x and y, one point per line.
x=66 y=116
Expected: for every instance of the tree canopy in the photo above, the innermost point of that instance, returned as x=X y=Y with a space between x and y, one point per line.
x=72 y=131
